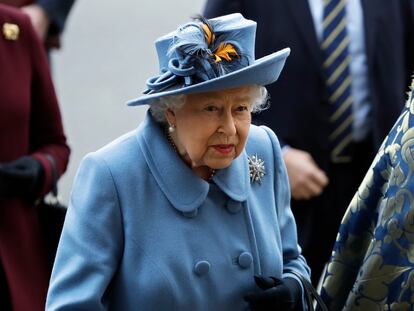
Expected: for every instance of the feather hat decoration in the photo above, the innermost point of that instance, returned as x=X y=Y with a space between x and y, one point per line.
x=210 y=51
x=209 y=55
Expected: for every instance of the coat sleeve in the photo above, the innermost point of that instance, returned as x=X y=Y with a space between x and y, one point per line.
x=214 y=8
x=46 y=129
x=292 y=258
x=57 y=11
x=91 y=244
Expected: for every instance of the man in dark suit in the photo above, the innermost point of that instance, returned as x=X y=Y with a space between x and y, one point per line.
x=379 y=66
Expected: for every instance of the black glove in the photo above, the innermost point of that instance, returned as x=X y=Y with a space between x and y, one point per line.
x=21 y=178
x=275 y=294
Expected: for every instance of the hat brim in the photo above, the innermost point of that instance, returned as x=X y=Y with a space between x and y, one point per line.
x=263 y=71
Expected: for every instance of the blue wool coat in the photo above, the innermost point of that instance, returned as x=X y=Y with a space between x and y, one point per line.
x=143 y=232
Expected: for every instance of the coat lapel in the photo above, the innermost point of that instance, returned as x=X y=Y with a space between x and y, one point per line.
x=301 y=15
x=235 y=180
x=370 y=22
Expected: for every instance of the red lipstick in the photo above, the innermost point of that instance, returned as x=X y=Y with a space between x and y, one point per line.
x=224 y=149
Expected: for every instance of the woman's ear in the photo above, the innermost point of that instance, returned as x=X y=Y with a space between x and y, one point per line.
x=170 y=116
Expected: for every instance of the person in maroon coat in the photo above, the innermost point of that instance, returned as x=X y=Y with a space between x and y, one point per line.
x=30 y=131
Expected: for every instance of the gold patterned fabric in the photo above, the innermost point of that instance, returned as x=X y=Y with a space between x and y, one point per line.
x=372 y=264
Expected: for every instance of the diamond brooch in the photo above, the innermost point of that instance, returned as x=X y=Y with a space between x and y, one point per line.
x=256 y=168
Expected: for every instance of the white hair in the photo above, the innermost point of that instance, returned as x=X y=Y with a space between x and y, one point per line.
x=160 y=105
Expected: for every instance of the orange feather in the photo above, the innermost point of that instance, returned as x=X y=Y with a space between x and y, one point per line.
x=225 y=51
x=208 y=34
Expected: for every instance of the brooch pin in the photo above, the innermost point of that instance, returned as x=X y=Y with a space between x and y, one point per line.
x=11 y=31
x=256 y=168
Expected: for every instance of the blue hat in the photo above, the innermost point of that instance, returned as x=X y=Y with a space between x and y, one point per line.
x=210 y=55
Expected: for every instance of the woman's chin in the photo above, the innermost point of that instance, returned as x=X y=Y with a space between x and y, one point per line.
x=218 y=165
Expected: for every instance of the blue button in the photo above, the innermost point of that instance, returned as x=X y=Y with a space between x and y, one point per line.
x=233 y=206
x=202 y=267
x=245 y=260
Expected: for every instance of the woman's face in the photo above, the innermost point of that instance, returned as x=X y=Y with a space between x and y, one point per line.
x=211 y=128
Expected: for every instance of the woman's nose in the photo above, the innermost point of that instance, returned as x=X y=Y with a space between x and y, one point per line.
x=228 y=125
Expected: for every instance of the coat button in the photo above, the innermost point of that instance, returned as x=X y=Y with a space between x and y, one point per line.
x=202 y=267
x=233 y=206
x=245 y=260
x=191 y=214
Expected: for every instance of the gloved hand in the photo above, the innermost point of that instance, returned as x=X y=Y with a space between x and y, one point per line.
x=21 y=178
x=276 y=294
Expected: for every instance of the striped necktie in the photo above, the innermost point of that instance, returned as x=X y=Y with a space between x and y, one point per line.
x=336 y=60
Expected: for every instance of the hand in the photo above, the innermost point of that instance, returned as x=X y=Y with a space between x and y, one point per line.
x=40 y=19
x=275 y=294
x=306 y=179
x=22 y=178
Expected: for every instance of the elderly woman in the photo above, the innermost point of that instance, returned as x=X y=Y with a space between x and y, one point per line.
x=191 y=210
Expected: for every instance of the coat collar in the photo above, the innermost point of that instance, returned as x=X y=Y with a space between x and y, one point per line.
x=302 y=17
x=185 y=190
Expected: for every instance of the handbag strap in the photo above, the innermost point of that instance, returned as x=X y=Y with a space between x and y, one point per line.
x=310 y=292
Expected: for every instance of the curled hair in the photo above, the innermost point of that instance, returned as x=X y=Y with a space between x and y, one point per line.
x=260 y=102
x=260 y=99
x=162 y=104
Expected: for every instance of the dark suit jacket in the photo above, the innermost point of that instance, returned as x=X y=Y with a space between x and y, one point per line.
x=299 y=107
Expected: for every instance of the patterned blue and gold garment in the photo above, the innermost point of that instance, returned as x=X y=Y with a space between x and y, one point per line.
x=372 y=264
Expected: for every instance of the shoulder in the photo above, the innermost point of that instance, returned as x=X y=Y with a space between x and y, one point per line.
x=17 y=34
x=121 y=150
x=123 y=159
x=263 y=143
x=107 y=163
x=262 y=138
x=9 y=14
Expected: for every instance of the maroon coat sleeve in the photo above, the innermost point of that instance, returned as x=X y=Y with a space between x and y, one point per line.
x=46 y=130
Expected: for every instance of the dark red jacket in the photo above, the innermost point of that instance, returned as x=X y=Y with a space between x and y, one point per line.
x=30 y=124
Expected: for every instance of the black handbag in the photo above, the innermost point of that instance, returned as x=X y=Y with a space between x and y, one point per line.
x=51 y=216
x=312 y=297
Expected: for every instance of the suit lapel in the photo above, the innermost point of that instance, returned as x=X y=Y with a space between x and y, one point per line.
x=300 y=11
x=370 y=22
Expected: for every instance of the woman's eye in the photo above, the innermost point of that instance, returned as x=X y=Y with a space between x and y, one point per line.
x=242 y=108
x=210 y=108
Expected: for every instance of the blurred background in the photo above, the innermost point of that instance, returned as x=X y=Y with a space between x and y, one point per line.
x=107 y=55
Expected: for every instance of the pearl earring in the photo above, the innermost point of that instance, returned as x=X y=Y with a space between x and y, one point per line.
x=171 y=128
